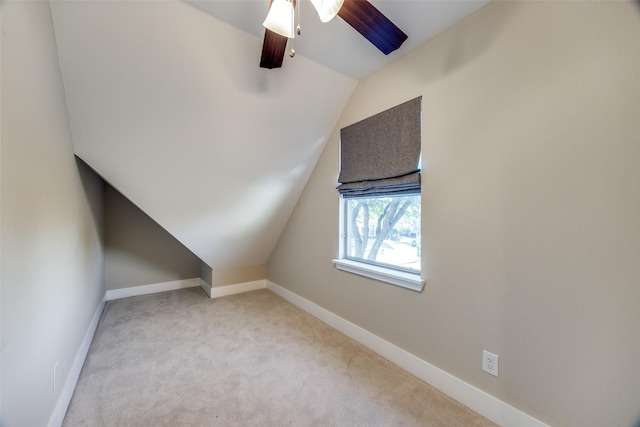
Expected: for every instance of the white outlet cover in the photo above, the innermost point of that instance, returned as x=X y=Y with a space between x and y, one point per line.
x=490 y=363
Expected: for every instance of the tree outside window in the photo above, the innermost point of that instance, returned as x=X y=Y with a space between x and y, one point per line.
x=384 y=230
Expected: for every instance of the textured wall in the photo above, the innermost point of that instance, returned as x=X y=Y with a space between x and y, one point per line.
x=50 y=223
x=531 y=200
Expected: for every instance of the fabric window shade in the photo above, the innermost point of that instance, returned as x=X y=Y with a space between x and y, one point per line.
x=380 y=155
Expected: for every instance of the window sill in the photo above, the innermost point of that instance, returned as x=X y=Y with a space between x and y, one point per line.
x=382 y=274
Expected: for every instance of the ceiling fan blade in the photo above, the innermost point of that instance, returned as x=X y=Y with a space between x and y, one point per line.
x=372 y=24
x=273 y=49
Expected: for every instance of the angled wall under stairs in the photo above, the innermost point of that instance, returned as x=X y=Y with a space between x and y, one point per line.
x=138 y=251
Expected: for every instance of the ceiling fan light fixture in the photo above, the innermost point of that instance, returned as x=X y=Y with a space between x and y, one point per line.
x=280 y=18
x=327 y=9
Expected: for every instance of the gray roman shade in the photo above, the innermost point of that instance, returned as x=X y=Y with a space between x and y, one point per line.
x=380 y=155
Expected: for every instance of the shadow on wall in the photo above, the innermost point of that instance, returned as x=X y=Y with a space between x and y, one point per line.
x=456 y=51
x=243 y=78
x=93 y=187
x=137 y=250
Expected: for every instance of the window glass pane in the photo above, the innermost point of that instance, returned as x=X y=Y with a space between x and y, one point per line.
x=384 y=230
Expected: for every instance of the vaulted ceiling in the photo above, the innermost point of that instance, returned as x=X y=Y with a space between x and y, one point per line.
x=168 y=104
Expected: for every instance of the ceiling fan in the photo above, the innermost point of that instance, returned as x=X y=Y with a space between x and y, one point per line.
x=360 y=14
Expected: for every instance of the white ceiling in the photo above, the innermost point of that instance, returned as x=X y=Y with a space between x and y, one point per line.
x=336 y=44
x=167 y=102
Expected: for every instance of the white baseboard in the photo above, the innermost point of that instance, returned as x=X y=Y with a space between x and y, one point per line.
x=206 y=287
x=479 y=401
x=152 y=289
x=238 y=288
x=74 y=373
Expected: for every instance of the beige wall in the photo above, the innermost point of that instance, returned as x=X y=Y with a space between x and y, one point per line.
x=50 y=223
x=138 y=251
x=232 y=276
x=531 y=210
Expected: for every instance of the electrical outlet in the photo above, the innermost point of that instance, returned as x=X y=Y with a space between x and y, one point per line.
x=490 y=363
x=55 y=376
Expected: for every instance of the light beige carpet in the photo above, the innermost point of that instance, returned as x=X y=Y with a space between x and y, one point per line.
x=180 y=359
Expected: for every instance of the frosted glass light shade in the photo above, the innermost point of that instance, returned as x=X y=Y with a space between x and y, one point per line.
x=280 y=18
x=327 y=9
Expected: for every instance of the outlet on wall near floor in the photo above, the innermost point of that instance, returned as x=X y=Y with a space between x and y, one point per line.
x=490 y=363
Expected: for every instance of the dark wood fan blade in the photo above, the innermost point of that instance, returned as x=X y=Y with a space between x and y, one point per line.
x=273 y=49
x=372 y=24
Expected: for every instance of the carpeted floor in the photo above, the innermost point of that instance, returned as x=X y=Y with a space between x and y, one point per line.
x=181 y=359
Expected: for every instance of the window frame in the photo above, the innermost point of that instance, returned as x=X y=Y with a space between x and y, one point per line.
x=377 y=271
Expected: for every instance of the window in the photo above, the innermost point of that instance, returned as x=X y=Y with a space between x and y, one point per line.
x=380 y=187
x=384 y=231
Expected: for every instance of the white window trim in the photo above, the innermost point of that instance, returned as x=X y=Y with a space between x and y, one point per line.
x=403 y=279
x=382 y=274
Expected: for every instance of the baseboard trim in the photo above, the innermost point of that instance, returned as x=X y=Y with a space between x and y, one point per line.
x=206 y=288
x=74 y=373
x=480 y=401
x=237 y=288
x=152 y=289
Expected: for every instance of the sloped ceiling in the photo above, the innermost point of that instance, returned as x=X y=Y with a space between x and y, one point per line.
x=168 y=104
